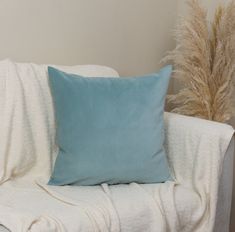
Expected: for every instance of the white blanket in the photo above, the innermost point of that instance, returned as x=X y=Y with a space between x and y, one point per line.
x=27 y=153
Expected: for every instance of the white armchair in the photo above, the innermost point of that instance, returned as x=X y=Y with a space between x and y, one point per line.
x=200 y=155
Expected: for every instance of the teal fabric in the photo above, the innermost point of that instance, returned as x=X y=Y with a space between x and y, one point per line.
x=109 y=130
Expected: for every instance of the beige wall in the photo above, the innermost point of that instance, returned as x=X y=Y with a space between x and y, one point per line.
x=129 y=35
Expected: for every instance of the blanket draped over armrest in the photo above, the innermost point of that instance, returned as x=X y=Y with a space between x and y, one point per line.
x=195 y=149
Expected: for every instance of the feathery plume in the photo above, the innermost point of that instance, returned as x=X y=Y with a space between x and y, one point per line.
x=204 y=62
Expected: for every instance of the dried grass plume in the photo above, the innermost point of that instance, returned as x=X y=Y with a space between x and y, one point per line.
x=204 y=62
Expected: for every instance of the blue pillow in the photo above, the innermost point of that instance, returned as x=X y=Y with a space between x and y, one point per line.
x=109 y=130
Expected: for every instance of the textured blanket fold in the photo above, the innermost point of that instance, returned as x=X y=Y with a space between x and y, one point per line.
x=27 y=121
x=195 y=149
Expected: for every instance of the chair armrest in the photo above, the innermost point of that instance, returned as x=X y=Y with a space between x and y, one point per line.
x=195 y=149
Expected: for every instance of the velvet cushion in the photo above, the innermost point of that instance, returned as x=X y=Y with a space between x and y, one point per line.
x=109 y=130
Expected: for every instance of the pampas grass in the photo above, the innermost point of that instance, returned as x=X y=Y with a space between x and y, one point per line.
x=204 y=63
